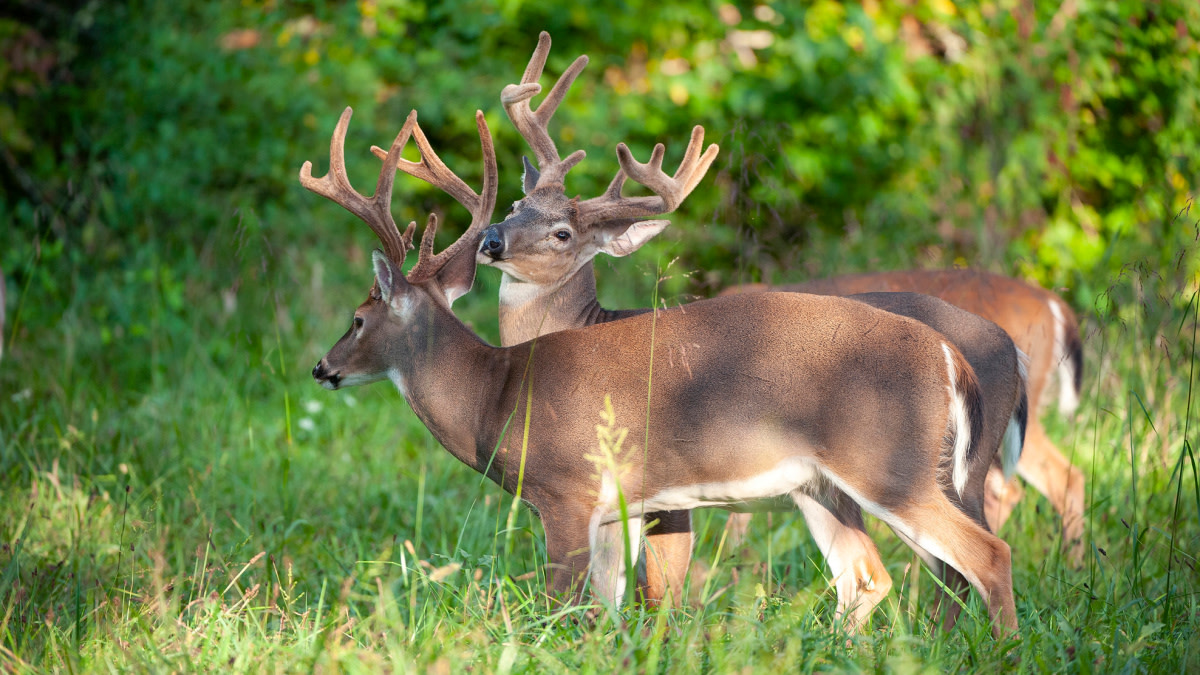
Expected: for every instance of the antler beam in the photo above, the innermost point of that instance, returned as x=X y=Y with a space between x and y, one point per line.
x=375 y=211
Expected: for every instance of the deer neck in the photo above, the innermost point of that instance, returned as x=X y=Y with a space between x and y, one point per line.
x=529 y=310
x=454 y=382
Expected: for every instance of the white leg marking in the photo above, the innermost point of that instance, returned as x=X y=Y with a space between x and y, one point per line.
x=609 y=552
x=962 y=426
x=843 y=551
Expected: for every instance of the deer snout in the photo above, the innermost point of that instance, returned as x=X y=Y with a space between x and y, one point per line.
x=327 y=379
x=493 y=243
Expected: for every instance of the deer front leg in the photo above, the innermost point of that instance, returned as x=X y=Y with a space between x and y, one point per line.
x=1052 y=474
x=612 y=544
x=567 y=551
x=668 y=554
x=836 y=525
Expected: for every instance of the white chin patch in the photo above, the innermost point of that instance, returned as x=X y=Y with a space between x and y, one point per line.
x=328 y=385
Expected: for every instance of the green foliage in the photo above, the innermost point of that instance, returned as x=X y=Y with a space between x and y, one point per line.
x=170 y=283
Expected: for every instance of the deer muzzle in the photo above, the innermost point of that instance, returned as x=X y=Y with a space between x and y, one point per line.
x=322 y=375
x=492 y=245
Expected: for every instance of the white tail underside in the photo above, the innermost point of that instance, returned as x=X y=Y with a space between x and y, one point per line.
x=961 y=425
x=1064 y=365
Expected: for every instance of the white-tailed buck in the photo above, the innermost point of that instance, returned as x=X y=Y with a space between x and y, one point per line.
x=763 y=396
x=1045 y=328
x=545 y=249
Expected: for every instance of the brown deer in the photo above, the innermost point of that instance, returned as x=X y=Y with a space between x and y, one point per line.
x=545 y=248
x=779 y=395
x=1044 y=327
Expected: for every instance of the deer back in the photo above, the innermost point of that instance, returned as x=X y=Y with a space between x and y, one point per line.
x=1038 y=321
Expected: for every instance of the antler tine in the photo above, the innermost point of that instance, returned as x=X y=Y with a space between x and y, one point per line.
x=670 y=191
x=480 y=205
x=374 y=211
x=533 y=125
x=432 y=169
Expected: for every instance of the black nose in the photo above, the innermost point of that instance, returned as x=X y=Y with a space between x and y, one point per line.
x=320 y=374
x=493 y=243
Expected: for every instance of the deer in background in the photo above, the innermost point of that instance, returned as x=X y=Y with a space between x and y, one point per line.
x=780 y=395
x=1045 y=328
x=545 y=248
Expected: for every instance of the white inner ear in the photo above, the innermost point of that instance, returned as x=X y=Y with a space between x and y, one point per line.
x=383 y=274
x=632 y=238
x=454 y=293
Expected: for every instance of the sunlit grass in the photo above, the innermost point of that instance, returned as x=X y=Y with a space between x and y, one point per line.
x=211 y=508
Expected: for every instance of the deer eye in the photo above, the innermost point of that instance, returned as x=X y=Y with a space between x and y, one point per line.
x=358 y=322
x=562 y=235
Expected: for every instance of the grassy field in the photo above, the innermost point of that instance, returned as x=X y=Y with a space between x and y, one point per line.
x=180 y=496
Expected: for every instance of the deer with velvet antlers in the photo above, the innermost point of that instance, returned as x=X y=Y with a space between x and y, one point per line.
x=545 y=248
x=779 y=396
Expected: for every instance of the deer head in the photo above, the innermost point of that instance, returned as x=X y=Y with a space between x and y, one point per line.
x=552 y=235
x=391 y=326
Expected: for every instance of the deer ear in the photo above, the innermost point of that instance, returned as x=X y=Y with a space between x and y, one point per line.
x=530 y=179
x=387 y=276
x=458 y=274
x=619 y=243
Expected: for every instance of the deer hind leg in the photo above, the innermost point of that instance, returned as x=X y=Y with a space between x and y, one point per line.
x=940 y=530
x=943 y=604
x=1051 y=474
x=858 y=575
x=668 y=554
x=610 y=548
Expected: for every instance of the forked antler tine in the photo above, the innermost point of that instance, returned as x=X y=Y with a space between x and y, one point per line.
x=670 y=191
x=480 y=205
x=374 y=211
x=673 y=189
x=533 y=126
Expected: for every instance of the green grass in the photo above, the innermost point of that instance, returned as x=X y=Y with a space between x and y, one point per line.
x=179 y=495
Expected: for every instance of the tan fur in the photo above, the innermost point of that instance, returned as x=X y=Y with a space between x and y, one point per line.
x=544 y=248
x=1024 y=312
x=778 y=393
x=838 y=384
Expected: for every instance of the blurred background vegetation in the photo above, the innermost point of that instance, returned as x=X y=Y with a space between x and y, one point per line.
x=155 y=144
x=170 y=283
